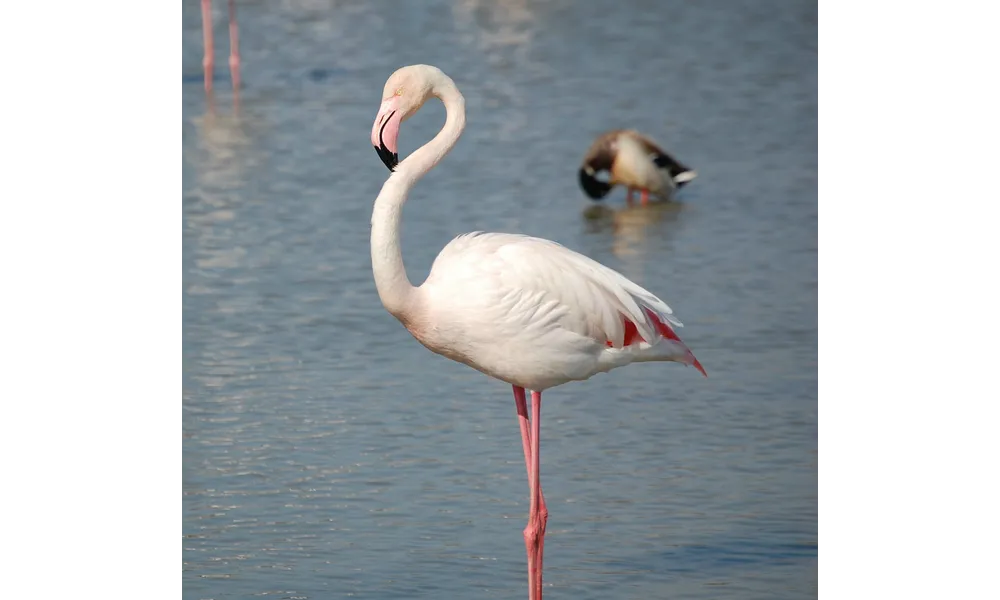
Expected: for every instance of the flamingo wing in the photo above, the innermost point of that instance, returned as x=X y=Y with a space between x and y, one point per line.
x=546 y=283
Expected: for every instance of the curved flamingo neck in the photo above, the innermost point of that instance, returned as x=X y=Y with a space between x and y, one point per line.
x=430 y=154
x=394 y=287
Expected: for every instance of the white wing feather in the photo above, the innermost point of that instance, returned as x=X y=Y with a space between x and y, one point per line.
x=543 y=278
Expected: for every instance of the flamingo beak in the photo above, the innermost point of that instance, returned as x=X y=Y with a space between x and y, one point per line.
x=385 y=132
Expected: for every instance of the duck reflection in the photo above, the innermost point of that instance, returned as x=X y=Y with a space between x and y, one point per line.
x=632 y=226
x=637 y=231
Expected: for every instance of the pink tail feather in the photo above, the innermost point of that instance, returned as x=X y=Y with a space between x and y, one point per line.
x=669 y=334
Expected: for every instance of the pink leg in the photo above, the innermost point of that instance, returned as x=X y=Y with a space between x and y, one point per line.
x=628 y=198
x=206 y=25
x=645 y=197
x=534 y=559
x=234 y=47
x=535 y=531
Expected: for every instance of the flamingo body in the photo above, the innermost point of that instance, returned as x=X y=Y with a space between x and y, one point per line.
x=535 y=314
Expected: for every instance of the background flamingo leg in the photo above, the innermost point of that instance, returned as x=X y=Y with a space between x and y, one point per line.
x=208 y=64
x=234 y=46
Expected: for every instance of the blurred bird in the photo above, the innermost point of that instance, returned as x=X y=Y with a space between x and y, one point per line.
x=635 y=161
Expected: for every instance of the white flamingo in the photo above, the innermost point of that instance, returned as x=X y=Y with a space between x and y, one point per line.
x=524 y=310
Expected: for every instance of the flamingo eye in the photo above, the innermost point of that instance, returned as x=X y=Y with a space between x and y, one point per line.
x=399 y=91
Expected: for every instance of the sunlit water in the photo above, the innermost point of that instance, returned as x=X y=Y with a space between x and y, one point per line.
x=327 y=454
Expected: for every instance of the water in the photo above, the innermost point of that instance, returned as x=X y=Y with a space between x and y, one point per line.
x=328 y=455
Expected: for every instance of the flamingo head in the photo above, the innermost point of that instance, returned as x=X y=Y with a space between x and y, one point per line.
x=405 y=92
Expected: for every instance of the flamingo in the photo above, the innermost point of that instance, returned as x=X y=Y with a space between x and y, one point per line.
x=234 y=45
x=634 y=160
x=524 y=310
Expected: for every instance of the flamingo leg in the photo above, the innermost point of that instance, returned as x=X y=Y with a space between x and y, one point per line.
x=208 y=64
x=534 y=556
x=645 y=197
x=537 y=520
x=535 y=530
x=628 y=197
x=234 y=47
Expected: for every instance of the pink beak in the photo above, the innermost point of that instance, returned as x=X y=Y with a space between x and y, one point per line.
x=385 y=132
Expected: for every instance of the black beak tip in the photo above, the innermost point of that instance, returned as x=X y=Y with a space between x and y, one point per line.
x=592 y=186
x=390 y=159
